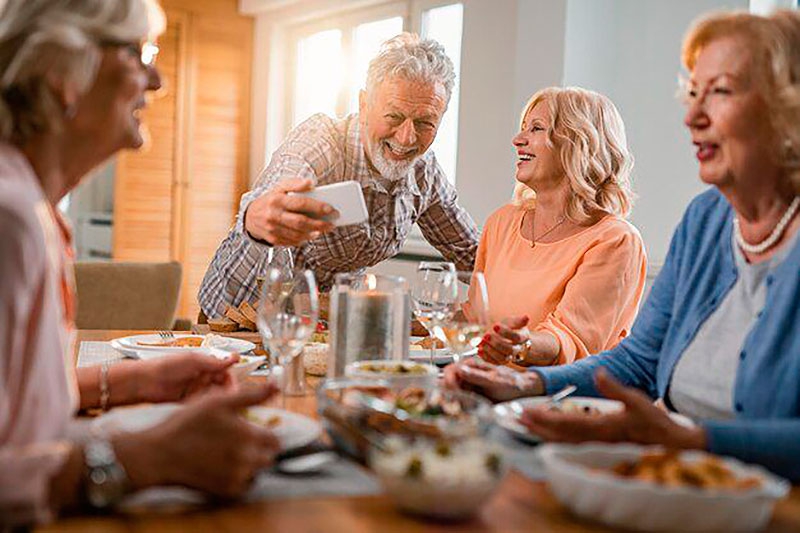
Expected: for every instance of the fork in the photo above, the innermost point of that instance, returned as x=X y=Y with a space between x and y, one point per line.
x=166 y=335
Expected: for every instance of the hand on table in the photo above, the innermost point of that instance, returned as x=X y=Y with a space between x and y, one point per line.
x=498 y=383
x=208 y=445
x=640 y=422
x=176 y=377
x=286 y=220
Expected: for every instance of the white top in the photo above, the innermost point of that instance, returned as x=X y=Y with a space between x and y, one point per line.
x=703 y=379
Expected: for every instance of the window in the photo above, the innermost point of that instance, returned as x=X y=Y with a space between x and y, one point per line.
x=331 y=58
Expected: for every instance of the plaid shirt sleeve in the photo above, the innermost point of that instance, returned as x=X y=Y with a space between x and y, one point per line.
x=447 y=226
x=231 y=276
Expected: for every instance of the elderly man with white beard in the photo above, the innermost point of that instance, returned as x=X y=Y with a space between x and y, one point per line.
x=385 y=148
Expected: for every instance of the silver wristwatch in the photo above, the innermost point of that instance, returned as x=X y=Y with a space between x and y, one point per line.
x=106 y=480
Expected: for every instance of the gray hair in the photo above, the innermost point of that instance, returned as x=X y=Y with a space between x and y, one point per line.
x=47 y=42
x=412 y=58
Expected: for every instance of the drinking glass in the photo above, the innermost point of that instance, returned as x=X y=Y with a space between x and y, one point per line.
x=433 y=294
x=287 y=316
x=465 y=321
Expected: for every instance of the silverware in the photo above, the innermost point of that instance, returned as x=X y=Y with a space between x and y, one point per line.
x=305 y=460
x=556 y=398
x=166 y=335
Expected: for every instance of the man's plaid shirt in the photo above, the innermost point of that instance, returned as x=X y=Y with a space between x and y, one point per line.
x=330 y=151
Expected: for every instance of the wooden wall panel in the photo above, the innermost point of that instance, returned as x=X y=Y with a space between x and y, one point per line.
x=220 y=137
x=144 y=183
x=178 y=198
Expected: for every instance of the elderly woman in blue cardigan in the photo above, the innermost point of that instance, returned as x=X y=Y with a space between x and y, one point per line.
x=718 y=339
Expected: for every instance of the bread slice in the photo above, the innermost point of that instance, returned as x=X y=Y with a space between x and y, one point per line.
x=223 y=325
x=236 y=315
x=248 y=311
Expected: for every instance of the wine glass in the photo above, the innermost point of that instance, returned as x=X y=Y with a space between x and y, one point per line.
x=463 y=325
x=287 y=316
x=434 y=291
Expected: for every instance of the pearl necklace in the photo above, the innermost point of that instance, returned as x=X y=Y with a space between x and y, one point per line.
x=773 y=237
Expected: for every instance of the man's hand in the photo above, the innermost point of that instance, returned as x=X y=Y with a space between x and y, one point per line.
x=287 y=220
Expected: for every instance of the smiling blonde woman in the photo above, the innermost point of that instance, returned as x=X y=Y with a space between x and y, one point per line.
x=565 y=270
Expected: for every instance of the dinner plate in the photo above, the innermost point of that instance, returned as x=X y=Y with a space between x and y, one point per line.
x=292 y=430
x=441 y=356
x=132 y=346
x=507 y=413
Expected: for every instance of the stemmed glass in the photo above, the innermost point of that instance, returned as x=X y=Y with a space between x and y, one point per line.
x=433 y=293
x=287 y=315
x=466 y=320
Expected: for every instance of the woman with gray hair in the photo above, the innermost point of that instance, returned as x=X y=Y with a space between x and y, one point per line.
x=565 y=271
x=73 y=79
x=717 y=338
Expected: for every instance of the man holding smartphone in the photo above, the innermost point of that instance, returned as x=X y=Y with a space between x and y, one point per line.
x=385 y=149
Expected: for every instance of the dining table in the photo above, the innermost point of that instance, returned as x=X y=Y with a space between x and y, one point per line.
x=520 y=504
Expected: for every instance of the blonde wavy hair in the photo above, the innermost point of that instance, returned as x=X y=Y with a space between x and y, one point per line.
x=46 y=43
x=774 y=41
x=588 y=132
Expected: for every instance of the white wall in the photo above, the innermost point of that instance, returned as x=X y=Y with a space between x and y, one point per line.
x=630 y=51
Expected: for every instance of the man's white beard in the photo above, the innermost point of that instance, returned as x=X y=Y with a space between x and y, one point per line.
x=391 y=170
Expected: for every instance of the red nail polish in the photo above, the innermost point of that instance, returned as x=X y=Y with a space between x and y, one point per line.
x=497 y=329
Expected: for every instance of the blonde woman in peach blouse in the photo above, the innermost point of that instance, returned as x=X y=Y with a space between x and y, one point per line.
x=565 y=270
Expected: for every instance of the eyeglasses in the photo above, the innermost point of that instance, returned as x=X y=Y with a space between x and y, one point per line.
x=146 y=51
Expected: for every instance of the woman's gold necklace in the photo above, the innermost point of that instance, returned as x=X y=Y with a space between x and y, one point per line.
x=561 y=220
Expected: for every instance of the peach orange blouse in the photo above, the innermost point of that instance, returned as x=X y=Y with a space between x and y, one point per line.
x=584 y=289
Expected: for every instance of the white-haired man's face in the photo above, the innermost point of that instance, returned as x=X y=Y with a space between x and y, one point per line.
x=399 y=122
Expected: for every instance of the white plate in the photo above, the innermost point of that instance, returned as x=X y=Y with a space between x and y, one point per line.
x=441 y=356
x=293 y=431
x=507 y=413
x=131 y=347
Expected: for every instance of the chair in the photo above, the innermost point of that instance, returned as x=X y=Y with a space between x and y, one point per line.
x=127 y=295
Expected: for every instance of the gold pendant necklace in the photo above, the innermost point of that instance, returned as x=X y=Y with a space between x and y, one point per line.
x=561 y=220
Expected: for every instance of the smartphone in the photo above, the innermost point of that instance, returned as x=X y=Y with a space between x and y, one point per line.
x=346 y=197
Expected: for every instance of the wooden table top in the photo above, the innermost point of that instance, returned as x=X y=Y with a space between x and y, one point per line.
x=519 y=504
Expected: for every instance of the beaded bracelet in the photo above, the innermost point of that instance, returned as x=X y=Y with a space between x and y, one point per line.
x=105 y=394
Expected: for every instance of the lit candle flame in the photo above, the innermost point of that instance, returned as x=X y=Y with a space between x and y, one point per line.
x=372 y=282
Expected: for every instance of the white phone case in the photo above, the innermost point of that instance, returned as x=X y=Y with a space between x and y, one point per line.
x=346 y=197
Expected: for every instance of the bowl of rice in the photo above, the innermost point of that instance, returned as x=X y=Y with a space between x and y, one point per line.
x=447 y=480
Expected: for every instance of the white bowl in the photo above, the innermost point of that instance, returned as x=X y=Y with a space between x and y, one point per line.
x=573 y=475
x=245 y=365
x=424 y=375
x=446 y=487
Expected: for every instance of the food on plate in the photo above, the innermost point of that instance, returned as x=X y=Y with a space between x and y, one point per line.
x=438 y=478
x=178 y=342
x=237 y=316
x=668 y=469
x=417 y=329
x=269 y=422
x=222 y=325
x=401 y=369
x=570 y=407
x=315 y=358
x=430 y=342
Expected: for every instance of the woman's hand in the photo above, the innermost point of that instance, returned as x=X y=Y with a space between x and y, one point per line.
x=498 y=383
x=176 y=377
x=640 y=421
x=206 y=445
x=511 y=342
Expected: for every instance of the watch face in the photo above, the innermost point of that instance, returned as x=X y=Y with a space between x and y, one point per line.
x=106 y=480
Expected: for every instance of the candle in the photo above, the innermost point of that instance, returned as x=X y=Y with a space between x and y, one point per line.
x=370 y=320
